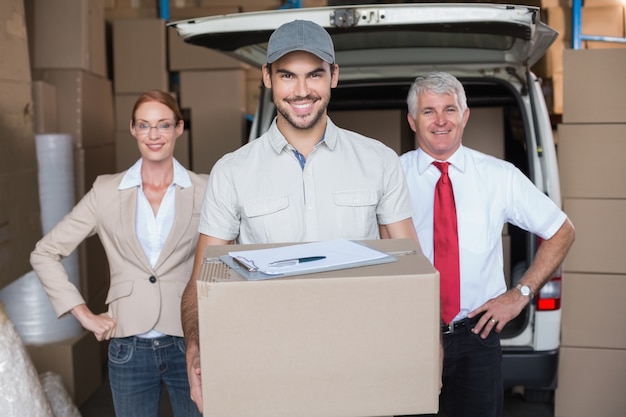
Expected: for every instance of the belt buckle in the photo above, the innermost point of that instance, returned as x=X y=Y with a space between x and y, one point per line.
x=447 y=328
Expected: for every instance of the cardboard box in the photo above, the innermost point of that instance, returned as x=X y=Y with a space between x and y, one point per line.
x=592 y=168
x=89 y=163
x=216 y=100
x=77 y=360
x=13 y=42
x=94 y=268
x=20 y=217
x=84 y=105
x=388 y=126
x=602 y=21
x=184 y=56
x=485 y=131
x=600 y=236
x=254 y=81
x=587 y=3
x=605 y=20
x=557 y=93
x=124 y=110
x=602 y=296
x=593 y=86
x=355 y=342
x=44 y=107
x=591 y=383
x=184 y=13
x=69 y=34
x=139 y=51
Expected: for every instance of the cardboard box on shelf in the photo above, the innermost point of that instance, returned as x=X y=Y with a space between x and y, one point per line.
x=600 y=236
x=333 y=343
x=69 y=35
x=14 y=42
x=44 y=107
x=20 y=216
x=77 y=360
x=485 y=131
x=583 y=368
x=593 y=86
x=123 y=110
x=139 y=55
x=586 y=169
x=254 y=80
x=216 y=100
x=388 y=126
x=599 y=21
x=84 y=105
x=587 y=3
x=184 y=13
x=88 y=164
x=602 y=295
x=556 y=83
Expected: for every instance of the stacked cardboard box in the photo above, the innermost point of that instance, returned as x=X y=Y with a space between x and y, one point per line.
x=212 y=89
x=598 y=18
x=73 y=95
x=591 y=147
x=139 y=58
x=187 y=9
x=20 y=220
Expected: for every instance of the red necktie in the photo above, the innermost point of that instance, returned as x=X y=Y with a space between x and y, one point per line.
x=446 y=245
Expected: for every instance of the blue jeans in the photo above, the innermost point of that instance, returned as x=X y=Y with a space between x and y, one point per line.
x=137 y=370
x=472 y=375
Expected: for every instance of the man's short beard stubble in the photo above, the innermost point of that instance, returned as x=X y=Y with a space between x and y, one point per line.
x=300 y=123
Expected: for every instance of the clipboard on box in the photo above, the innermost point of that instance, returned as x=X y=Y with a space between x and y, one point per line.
x=256 y=265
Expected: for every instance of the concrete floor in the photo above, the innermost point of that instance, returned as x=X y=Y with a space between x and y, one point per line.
x=101 y=405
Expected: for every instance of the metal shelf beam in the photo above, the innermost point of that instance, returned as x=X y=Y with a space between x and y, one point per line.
x=578 y=37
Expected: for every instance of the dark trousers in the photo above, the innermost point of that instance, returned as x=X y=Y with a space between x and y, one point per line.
x=472 y=375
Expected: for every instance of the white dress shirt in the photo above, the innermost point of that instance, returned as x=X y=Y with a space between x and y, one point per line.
x=488 y=193
x=152 y=230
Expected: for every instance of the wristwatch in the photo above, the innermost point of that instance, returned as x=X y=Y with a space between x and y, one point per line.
x=524 y=290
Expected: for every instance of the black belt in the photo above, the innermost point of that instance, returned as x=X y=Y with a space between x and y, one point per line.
x=465 y=323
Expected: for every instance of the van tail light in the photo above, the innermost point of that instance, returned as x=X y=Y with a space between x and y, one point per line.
x=549 y=298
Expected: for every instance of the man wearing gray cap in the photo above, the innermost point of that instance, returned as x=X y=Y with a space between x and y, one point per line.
x=305 y=179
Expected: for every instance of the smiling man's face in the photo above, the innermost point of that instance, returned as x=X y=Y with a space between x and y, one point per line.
x=438 y=124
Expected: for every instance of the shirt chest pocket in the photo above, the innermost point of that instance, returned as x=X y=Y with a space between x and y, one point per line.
x=266 y=219
x=356 y=213
x=265 y=206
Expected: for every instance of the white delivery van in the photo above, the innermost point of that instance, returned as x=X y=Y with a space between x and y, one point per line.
x=380 y=50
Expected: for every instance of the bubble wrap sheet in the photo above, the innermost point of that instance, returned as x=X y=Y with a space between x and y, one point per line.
x=21 y=392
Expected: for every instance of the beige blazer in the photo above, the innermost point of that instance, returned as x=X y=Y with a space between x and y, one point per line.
x=140 y=297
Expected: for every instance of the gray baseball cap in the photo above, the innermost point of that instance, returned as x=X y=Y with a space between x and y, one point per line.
x=300 y=35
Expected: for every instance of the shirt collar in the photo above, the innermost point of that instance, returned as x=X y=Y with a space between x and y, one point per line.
x=457 y=159
x=132 y=177
x=278 y=141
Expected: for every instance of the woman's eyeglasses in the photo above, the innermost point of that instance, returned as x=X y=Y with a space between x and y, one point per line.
x=163 y=127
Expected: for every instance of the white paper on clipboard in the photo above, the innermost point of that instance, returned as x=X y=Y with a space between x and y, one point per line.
x=338 y=254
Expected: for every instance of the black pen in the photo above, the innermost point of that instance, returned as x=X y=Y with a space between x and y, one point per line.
x=295 y=261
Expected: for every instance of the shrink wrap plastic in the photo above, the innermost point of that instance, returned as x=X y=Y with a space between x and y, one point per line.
x=26 y=302
x=59 y=398
x=21 y=392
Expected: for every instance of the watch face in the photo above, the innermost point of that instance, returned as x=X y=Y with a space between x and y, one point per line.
x=525 y=290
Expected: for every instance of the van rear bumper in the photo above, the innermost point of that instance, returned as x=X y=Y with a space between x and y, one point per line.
x=531 y=369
